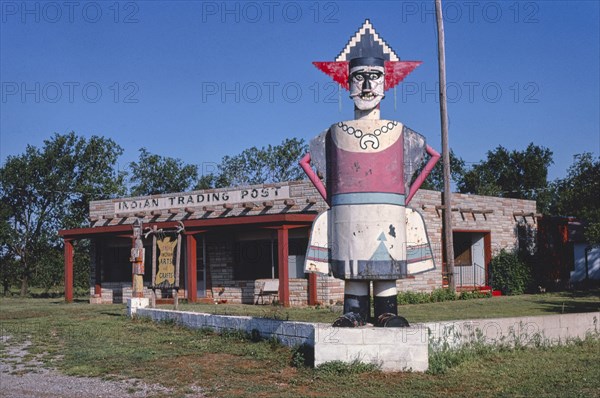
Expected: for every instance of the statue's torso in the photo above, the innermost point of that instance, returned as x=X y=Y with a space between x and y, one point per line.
x=366 y=156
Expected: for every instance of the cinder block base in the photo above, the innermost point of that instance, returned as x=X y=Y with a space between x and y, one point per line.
x=134 y=303
x=393 y=349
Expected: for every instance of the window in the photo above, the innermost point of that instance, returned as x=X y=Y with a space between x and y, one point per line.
x=255 y=259
x=296 y=256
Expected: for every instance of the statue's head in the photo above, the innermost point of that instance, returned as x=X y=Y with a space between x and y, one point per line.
x=366 y=81
x=367 y=67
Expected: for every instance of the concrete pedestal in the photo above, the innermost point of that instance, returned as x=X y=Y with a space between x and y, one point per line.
x=134 y=303
x=394 y=349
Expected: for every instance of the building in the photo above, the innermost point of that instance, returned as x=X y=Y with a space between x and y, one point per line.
x=238 y=244
x=566 y=257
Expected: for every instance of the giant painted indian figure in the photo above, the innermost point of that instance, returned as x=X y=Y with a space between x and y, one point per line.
x=365 y=170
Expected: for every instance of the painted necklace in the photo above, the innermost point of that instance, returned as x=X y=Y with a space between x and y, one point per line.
x=358 y=133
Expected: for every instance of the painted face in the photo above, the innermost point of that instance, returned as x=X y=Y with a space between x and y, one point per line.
x=367 y=86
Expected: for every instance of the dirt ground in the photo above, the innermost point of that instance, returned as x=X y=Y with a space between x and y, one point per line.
x=23 y=376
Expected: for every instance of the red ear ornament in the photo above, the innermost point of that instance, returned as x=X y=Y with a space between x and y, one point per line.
x=337 y=70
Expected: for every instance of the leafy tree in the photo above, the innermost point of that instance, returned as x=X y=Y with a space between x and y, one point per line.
x=46 y=189
x=511 y=174
x=257 y=166
x=435 y=180
x=155 y=174
x=578 y=194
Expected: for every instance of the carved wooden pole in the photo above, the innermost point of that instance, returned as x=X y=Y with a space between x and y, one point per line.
x=137 y=260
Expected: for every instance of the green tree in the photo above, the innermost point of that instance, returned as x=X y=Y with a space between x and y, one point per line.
x=257 y=166
x=578 y=194
x=435 y=180
x=46 y=189
x=511 y=174
x=155 y=174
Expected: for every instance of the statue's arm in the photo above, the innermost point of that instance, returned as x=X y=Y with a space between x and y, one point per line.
x=312 y=176
x=317 y=157
x=434 y=157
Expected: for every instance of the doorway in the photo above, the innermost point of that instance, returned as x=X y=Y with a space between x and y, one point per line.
x=471 y=258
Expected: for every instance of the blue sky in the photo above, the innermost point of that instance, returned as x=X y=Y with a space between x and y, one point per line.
x=198 y=80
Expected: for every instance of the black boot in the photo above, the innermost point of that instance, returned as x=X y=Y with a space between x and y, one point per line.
x=386 y=313
x=356 y=311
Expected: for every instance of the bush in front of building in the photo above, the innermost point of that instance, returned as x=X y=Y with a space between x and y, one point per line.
x=438 y=296
x=474 y=295
x=510 y=274
x=409 y=297
x=443 y=294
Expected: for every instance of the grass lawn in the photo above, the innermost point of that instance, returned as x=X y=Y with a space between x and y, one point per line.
x=98 y=340
x=494 y=307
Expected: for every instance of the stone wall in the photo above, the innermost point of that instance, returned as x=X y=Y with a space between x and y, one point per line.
x=524 y=331
x=394 y=349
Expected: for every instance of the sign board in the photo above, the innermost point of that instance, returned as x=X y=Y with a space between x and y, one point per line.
x=203 y=199
x=165 y=276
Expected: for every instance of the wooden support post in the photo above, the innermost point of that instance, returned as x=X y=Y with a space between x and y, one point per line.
x=312 y=289
x=449 y=244
x=192 y=291
x=282 y=257
x=68 y=271
x=97 y=271
x=177 y=264
x=153 y=281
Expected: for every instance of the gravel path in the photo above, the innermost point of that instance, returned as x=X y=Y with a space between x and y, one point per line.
x=27 y=378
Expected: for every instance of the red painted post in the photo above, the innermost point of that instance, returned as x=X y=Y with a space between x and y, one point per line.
x=98 y=275
x=68 y=271
x=312 y=289
x=282 y=257
x=191 y=268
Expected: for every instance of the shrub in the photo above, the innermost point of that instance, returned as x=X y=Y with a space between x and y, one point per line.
x=436 y=296
x=439 y=295
x=409 y=297
x=474 y=295
x=509 y=273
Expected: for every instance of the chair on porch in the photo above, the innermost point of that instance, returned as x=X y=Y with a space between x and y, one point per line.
x=270 y=288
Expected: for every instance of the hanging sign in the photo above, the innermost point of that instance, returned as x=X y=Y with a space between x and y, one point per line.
x=165 y=276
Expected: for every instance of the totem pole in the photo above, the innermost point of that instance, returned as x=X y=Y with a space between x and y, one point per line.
x=368 y=234
x=137 y=260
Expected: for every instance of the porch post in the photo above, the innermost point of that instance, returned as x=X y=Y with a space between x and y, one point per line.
x=68 y=271
x=98 y=273
x=282 y=258
x=312 y=289
x=191 y=286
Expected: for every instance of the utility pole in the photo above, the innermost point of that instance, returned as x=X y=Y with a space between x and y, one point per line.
x=447 y=195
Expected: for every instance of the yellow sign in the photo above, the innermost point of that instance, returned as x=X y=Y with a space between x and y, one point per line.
x=166 y=267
